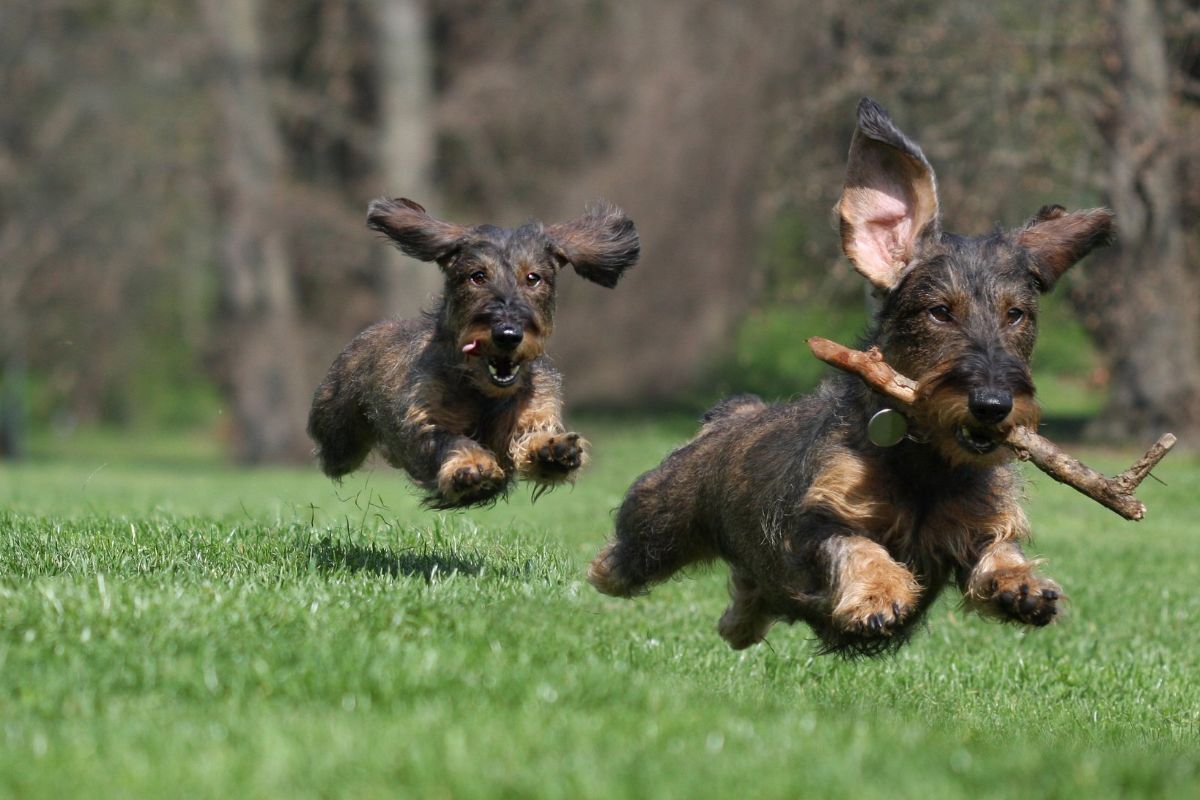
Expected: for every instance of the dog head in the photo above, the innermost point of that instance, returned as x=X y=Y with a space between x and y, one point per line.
x=957 y=313
x=500 y=283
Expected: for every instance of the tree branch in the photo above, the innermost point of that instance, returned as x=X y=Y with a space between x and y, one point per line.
x=1113 y=493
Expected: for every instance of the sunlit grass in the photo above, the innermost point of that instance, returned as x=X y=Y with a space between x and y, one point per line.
x=180 y=629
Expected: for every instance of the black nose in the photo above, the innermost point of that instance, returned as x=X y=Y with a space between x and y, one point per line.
x=990 y=406
x=507 y=336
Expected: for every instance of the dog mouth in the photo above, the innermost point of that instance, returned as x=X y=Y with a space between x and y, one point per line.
x=502 y=372
x=975 y=441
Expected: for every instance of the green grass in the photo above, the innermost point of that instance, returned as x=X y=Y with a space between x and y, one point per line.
x=169 y=628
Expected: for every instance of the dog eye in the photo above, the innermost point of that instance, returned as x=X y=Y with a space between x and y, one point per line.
x=478 y=277
x=1015 y=315
x=941 y=314
x=533 y=279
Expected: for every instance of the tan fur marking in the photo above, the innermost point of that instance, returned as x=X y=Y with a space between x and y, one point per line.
x=941 y=412
x=418 y=420
x=530 y=468
x=542 y=415
x=960 y=530
x=532 y=345
x=600 y=575
x=867 y=581
x=1002 y=568
x=1026 y=413
x=480 y=467
x=540 y=425
x=473 y=333
x=854 y=490
x=432 y=410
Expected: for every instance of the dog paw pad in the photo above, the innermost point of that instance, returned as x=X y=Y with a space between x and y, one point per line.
x=1028 y=599
x=470 y=478
x=556 y=455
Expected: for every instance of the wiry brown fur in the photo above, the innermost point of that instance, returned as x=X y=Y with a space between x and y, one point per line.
x=464 y=399
x=817 y=523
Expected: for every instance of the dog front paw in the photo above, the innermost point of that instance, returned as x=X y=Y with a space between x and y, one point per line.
x=876 y=602
x=878 y=616
x=554 y=457
x=468 y=477
x=1016 y=594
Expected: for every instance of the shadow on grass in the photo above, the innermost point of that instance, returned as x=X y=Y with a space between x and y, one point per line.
x=328 y=555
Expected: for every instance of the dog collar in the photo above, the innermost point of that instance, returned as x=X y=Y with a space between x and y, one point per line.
x=888 y=427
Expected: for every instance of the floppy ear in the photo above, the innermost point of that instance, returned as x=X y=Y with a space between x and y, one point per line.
x=600 y=245
x=417 y=234
x=889 y=200
x=1056 y=239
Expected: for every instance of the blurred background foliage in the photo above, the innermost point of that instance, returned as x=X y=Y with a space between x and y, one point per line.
x=183 y=186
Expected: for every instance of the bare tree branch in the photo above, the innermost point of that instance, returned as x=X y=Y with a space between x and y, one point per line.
x=1115 y=494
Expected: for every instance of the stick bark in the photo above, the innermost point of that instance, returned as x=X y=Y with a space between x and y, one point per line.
x=1114 y=493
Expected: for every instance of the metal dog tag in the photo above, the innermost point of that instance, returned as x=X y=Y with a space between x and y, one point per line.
x=887 y=428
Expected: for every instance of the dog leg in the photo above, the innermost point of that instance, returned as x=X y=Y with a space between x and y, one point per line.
x=610 y=575
x=746 y=620
x=872 y=594
x=656 y=536
x=542 y=450
x=343 y=435
x=549 y=457
x=337 y=423
x=1003 y=584
x=469 y=474
x=456 y=470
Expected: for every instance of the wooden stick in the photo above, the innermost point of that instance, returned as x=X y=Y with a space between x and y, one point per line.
x=1113 y=493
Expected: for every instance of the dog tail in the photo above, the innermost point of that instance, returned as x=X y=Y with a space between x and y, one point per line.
x=730 y=406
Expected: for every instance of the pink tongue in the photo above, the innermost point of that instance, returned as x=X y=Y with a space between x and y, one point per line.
x=471 y=347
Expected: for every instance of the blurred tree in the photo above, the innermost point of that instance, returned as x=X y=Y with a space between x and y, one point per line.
x=321 y=70
x=102 y=202
x=407 y=139
x=1140 y=300
x=673 y=111
x=258 y=336
x=322 y=117
x=14 y=421
x=721 y=127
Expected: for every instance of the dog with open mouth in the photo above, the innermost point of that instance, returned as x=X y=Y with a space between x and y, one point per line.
x=837 y=509
x=464 y=399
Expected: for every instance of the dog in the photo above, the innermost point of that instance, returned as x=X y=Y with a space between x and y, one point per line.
x=818 y=523
x=464 y=399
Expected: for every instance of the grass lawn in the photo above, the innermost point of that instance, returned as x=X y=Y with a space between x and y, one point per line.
x=172 y=628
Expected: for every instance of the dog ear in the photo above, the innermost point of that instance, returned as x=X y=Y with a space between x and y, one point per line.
x=1056 y=239
x=600 y=245
x=889 y=201
x=414 y=231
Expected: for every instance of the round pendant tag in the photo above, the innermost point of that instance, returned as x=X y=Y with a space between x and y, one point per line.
x=887 y=427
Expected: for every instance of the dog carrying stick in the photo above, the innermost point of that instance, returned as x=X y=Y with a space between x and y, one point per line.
x=1113 y=493
x=817 y=519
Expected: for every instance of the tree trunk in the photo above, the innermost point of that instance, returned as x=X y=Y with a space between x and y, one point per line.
x=1138 y=300
x=685 y=162
x=407 y=140
x=13 y=419
x=259 y=341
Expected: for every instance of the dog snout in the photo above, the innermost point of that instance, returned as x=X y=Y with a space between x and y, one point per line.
x=990 y=406
x=507 y=335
